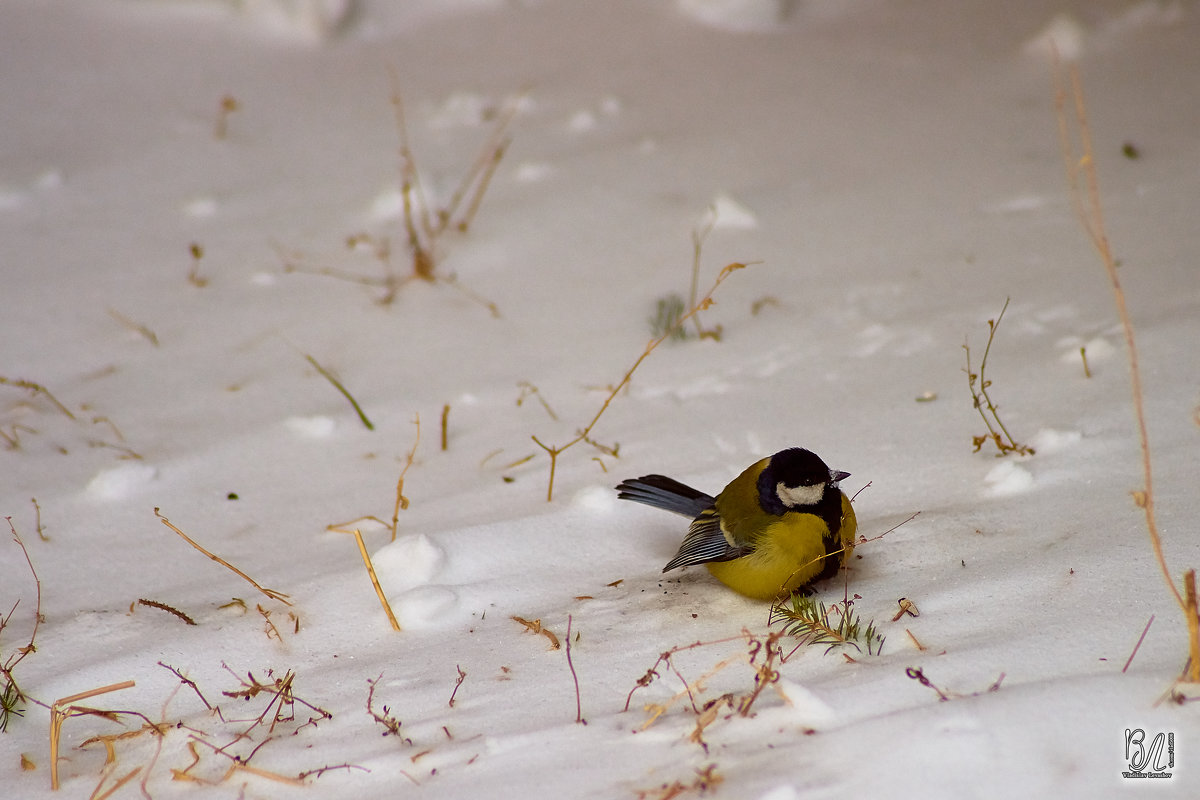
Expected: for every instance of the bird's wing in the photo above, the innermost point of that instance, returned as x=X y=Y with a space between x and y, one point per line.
x=705 y=543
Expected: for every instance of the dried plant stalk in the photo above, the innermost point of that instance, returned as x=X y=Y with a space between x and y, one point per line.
x=63 y=708
x=271 y=593
x=387 y=607
x=1086 y=202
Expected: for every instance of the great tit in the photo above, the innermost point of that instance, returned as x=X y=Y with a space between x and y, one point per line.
x=778 y=527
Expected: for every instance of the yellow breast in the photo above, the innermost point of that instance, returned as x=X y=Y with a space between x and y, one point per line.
x=788 y=555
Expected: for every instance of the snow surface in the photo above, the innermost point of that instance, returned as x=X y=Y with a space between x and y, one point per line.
x=894 y=167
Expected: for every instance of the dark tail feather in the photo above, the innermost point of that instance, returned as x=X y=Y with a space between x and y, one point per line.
x=666 y=493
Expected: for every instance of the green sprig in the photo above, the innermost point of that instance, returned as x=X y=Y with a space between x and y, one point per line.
x=814 y=624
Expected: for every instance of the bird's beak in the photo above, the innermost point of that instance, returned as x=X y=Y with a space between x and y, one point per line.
x=836 y=475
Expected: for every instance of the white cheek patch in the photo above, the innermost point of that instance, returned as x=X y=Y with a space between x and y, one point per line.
x=793 y=496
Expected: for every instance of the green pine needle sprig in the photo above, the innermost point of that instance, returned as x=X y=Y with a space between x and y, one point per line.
x=814 y=624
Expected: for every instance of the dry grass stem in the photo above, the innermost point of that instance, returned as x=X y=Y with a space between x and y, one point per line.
x=383 y=601
x=283 y=700
x=401 y=500
x=583 y=434
x=763 y=655
x=535 y=626
x=979 y=384
x=706 y=779
x=423 y=225
x=269 y=627
x=529 y=390
x=271 y=593
x=227 y=106
x=344 y=391
x=124 y=779
x=1085 y=199
x=445 y=427
x=10 y=692
x=197 y=252
x=63 y=708
x=36 y=389
x=1193 y=623
x=139 y=329
x=698 y=237
x=37 y=517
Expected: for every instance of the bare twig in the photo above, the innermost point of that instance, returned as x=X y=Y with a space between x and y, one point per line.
x=535 y=626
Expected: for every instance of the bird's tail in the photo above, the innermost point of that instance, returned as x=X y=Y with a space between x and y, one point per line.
x=665 y=493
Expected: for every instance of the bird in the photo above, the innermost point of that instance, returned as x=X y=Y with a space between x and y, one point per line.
x=777 y=528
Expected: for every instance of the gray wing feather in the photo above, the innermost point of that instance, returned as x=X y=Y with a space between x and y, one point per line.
x=705 y=543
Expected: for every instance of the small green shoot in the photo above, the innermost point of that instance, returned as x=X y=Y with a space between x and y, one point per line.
x=327 y=375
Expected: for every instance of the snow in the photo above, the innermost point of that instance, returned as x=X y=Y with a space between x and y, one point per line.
x=890 y=172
